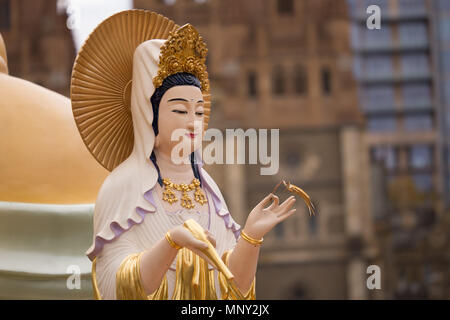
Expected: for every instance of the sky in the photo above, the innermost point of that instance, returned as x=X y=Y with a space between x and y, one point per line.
x=85 y=15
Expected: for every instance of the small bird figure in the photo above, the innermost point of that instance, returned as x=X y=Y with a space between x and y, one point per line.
x=296 y=190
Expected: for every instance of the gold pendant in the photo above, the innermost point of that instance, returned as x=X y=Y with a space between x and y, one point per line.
x=186 y=201
x=169 y=196
x=199 y=196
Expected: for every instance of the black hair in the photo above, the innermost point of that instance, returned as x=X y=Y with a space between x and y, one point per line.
x=177 y=79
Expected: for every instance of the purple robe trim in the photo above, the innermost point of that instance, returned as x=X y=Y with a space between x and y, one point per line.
x=117 y=230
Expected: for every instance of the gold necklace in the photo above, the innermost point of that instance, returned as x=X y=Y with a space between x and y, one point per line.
x=186 y=201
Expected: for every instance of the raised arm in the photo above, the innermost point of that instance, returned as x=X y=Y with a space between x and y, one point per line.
x=243 y=260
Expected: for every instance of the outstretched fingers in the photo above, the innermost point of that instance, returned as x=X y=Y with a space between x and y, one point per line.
x=265 y=201
x=286 y=205
x=284 y=215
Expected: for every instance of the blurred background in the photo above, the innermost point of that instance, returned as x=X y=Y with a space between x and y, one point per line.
x=364 y=119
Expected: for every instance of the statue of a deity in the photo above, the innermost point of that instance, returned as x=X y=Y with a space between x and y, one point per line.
x=162 y=229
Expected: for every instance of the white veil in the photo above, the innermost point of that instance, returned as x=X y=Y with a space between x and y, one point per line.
x=122 y=191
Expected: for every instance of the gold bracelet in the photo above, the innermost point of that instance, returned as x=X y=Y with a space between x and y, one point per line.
x=171 y=242
x=250 y=240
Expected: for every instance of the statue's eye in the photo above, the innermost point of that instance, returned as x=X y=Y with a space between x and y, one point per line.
x=199 y=113
x=180 y=111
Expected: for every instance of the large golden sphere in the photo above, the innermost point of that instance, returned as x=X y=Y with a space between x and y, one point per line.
x=42 y=156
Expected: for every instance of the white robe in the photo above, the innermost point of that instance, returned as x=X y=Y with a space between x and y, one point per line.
x=144 y=235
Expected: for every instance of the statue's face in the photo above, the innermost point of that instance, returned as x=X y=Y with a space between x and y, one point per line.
x=181 y=107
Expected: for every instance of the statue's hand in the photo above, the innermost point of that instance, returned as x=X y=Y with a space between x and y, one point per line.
x=261 y=220
x=184 y=238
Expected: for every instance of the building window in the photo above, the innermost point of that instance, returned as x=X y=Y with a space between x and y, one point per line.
x=447 y=96
x=378 y=66
x=413 y=33
x=444 y=25
x=285 y=7
x=411 y=6
x=383 y=4
x=301 y=80
x=420 y=157
x=358 y=7
x=252 y=84
x=326 y=81
x=443 y=5
x=421 y=122
x=381 y=124
x=376 y=98
x=387 y=155
x=278 y=86
x=416 y=96
x=446 y=59
x=5 y=14
x=358 y=67
x=414 y=64
x=377 y=37
x=423 y=182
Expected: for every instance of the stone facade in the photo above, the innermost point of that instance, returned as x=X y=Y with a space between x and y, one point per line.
x=39 y=45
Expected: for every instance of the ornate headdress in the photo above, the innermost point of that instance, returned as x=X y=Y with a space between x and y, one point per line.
x=184 y=51
x=102 y=77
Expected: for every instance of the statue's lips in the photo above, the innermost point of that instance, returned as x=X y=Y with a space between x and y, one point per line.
x=191 y=135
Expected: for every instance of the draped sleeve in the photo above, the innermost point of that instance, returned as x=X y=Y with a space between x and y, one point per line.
x=114 y=256
x=116 y=274
x=128 y=281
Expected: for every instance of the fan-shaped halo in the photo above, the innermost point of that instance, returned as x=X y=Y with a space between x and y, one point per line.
x=101 y=82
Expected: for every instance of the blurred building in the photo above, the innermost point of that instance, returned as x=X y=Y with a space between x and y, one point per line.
x=40 y=47
x=402 y=94
x=438 y=275
x=288 y=65
x=440 y=39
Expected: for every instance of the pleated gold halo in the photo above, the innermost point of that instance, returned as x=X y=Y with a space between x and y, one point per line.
x=101 y=83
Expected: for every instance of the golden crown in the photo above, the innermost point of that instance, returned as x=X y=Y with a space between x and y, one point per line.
x=184 y=51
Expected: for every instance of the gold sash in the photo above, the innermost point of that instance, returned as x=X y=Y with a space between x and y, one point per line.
x=194 y=281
